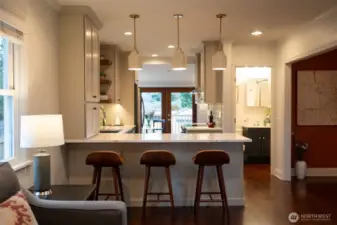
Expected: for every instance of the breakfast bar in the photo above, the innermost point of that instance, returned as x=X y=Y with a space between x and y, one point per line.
x=184 y=173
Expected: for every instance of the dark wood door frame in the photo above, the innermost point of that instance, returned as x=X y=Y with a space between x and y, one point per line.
x=166 y=103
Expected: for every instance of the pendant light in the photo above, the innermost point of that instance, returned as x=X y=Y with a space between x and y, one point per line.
x=179 y=59
x=219 y=59
x=134 y=58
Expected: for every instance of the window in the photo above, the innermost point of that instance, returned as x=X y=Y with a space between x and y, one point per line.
x=7 y=99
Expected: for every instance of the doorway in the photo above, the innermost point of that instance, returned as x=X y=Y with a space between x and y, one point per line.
x=253 y=113
x=166 y=110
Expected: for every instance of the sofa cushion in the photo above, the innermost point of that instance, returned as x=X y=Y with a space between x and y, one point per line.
x=9 y=183
x=16 y=210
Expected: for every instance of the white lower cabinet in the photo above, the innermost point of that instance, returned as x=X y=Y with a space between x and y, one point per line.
x=92 y=119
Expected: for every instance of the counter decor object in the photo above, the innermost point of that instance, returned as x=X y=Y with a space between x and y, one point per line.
x=41 y=131
x=301 y=165
x=211 y=123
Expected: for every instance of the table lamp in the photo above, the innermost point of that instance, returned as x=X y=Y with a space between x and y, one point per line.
x=41 y=131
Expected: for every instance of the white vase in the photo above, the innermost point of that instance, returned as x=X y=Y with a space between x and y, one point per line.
x=301 y=169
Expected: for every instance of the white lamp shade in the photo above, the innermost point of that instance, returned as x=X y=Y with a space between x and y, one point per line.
x=179 y=61
x=39 y=131
x=219 y=61
x=134 y=61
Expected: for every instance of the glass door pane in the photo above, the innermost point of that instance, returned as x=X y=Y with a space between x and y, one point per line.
x=152 y=113
x=181 y=112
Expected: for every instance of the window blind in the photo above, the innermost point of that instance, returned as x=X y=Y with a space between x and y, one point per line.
x=10 y=32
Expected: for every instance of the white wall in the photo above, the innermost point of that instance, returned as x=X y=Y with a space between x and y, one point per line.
x=40 y=28
x=255 y=55
x=315 y=37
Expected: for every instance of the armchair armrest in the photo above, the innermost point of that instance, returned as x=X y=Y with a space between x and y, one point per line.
x=48 y=212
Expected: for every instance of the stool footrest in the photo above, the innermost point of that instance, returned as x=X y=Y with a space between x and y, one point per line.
x=112 y=194
x=214 y=200
x=210 y=193
x=158 y=193
x=157 y=200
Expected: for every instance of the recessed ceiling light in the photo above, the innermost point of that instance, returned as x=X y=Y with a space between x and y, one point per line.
x=171 y=46
x=256 y=33
x=154 y=55
x=128 y=33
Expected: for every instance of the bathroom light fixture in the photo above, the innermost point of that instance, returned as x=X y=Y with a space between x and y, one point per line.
x=154 y=55
x=179 y=60
x=256 y=33
x=128 y=33
x=170 y=46
x=134 y=59
x=219 y=59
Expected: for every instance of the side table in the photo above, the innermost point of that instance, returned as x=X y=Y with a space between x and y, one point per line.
x=69 y=192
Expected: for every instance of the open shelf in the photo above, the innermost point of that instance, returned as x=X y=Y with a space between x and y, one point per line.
x=105 y=81
x=105 y=62
x=106 y=101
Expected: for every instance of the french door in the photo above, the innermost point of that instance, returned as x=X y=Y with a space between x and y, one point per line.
x=166 y=110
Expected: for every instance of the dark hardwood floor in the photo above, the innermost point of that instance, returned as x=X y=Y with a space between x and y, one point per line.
x=268 y=202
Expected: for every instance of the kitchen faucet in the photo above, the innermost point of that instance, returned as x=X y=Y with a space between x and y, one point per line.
x=104 y=116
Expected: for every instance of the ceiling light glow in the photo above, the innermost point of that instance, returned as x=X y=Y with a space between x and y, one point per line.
x=256 y=33
x=154 y=55
x=128 y=33
x=171 y=46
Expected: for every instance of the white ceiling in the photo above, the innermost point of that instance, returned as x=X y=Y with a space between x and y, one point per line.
x=157 y=28
x=161 y=75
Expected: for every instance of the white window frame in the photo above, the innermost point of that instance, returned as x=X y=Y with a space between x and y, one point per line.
x=11 y=67
x=21 y=158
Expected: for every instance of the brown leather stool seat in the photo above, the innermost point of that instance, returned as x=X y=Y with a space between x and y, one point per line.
x=104 y=159
x=157 y=158
x=101 y=159
x=215 y=158
x=211 y=157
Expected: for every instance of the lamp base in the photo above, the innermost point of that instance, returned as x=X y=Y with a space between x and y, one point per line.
x=41 y=169
x=43 y=193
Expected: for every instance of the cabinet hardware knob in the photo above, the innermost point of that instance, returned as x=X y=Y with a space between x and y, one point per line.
x=94 y=96
x=94 y=108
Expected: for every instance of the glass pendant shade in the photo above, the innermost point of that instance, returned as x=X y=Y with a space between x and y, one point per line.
x=179 y=61
x=219 y=61
x=134 y=61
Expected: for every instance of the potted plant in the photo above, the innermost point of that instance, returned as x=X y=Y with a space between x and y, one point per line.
x=301 y=165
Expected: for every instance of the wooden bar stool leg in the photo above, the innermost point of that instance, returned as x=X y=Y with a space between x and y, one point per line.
x=115 y=180
x=120 y=183
x=169 y=183
x=199 y=188
x=223 y=192
x=146 y=186
x=98 y=181
x=94 y=176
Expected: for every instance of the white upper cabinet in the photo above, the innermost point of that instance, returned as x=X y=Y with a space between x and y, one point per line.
x=210 y=81
x=91 y=62
x=79 y=71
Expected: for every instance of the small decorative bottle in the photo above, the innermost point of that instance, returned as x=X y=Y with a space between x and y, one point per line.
x=211 y=122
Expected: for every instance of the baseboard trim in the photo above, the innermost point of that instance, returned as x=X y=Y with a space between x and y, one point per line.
x=318 y=172
x=278 y=174
x=188 y=202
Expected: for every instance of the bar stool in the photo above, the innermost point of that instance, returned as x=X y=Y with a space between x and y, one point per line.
x=157 y=158
x=101 y=159
x=211 y=158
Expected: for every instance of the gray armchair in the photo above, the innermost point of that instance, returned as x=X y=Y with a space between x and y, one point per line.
x=48 y=212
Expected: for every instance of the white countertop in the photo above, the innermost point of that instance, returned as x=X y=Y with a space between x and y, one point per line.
x=162 y=138
x=203 y=128
x=121 y=129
